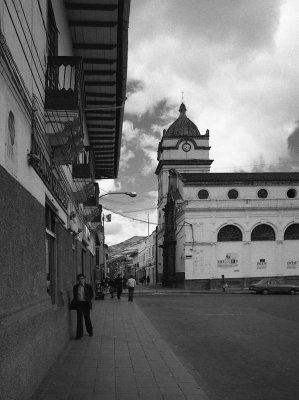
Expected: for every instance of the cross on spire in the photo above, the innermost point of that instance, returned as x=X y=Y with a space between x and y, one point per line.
x=182 y=96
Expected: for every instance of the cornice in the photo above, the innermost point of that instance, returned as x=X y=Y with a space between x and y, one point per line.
x=175 y=163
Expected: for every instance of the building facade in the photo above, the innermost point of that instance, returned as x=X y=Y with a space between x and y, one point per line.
x=244 y=226
x=63 y=82
x=145 y=261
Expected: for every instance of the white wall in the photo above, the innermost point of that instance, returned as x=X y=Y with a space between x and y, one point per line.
x=205 y=258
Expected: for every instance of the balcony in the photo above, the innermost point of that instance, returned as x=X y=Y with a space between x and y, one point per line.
x=91 y=214
x=93 y=201
x=83 y=193
x=64 y=105
x=64 y=84
x=83 y=167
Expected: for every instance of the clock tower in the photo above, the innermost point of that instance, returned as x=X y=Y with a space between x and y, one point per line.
x=184 y=149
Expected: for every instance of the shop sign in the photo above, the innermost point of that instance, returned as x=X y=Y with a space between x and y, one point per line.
x=262 y=264
x=231 y=260
x=292 y=264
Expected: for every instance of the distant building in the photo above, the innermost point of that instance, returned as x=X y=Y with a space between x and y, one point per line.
x=241 y=225
x=145 y=259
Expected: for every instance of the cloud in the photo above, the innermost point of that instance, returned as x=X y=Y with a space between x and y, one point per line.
x=109 y=185
x=130 y=133
x=151 y=161
x=293 y=142
x=245 y=24
x=126 y=156
x=134 y=85
x=237 y=63
x=141 y=135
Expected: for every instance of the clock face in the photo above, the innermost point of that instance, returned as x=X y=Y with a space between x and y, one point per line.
x=186 y=146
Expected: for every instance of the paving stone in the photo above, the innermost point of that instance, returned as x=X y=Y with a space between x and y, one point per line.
x=126 y=360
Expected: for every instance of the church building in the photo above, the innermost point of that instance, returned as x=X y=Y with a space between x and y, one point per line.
x=244 y=226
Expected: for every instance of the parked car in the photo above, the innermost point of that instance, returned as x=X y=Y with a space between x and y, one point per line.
x=274 y=285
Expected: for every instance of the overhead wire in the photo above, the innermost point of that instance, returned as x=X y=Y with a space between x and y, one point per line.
x=33 y=42
x=138 y=219
x=32 y=38
x=44 y=24
x=42 y=141
x=22 y=47
x=17 y=78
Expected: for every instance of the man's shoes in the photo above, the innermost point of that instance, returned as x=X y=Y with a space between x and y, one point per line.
x=78 y=337
x=91 y=334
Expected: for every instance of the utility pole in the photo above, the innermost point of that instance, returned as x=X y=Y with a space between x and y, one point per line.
x=104 y=253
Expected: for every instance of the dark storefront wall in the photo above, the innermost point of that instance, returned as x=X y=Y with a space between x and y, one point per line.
x=33 y=331
x=85 y=262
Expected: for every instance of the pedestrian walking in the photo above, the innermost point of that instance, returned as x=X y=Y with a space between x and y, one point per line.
x=223 y=283
x=111 y=288
x=83 y=295
x=118 y=283
x=147 y=280
x=131 y=283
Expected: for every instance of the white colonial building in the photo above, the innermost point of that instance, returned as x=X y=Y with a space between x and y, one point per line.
x=241 y=225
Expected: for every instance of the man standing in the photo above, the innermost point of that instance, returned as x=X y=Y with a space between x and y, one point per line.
x=131 y=283
x=118 y=283
x=83 y=294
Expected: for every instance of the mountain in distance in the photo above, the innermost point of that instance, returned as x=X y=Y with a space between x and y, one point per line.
x=125 y=248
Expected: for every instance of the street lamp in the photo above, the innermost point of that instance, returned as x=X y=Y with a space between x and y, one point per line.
x=131 y=194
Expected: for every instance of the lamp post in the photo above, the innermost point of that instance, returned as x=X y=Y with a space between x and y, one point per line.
x=131 y=194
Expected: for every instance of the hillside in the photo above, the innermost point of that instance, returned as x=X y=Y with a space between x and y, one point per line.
x=125 y=247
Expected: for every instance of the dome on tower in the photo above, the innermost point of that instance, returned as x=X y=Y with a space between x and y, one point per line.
x=183 y=126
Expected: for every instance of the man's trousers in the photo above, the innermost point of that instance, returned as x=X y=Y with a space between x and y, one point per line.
x=83 y=310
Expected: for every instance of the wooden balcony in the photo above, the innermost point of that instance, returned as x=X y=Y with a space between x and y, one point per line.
x=93 y=201
x=65 y=84
x=83 y=166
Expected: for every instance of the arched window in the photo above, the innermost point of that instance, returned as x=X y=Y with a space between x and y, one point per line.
x=262 y=232
x=292 y=232
x=229 y=233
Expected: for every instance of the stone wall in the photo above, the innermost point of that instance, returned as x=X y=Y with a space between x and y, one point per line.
x=33 y=331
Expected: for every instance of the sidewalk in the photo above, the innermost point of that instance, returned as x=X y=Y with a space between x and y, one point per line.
x=152 y=289
x=126 y=359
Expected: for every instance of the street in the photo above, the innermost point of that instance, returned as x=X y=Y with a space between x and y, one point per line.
x=237 y=346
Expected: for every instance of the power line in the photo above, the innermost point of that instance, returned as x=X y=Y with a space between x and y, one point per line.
x=129 y=217
x=25 y=55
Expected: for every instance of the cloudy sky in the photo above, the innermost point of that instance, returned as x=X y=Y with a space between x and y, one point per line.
x=237 y=62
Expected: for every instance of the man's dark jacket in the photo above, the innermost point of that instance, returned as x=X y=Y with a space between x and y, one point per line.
x=118 y=282
x=88 y=292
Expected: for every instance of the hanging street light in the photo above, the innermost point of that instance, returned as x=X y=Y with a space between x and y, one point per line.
x=131 y=194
